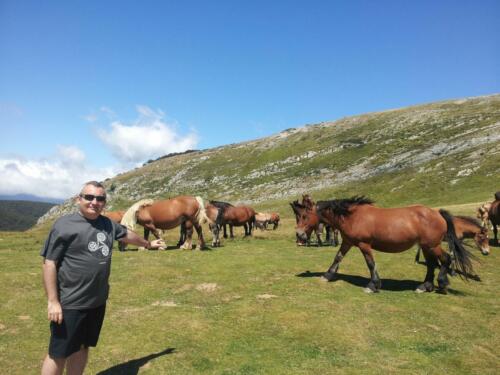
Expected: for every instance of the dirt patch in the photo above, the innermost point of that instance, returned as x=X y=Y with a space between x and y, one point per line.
x=207 y=287
x=164 y=303
x=266 y=296
x=24 y=317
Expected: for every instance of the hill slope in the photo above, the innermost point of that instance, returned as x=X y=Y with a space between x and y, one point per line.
x=445 y=152
x=21 y=215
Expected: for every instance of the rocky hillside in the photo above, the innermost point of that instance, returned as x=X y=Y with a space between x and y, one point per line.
x=443 y=152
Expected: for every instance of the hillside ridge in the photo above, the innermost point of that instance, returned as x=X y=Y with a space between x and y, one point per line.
x=447 y=151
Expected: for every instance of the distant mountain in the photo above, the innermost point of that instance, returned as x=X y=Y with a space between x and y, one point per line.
x=434 y=154
x=30 y=198
x=21 y=215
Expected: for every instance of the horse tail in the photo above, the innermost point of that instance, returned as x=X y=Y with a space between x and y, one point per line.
x=462 y=257
x=201 y=215
x=129 y=219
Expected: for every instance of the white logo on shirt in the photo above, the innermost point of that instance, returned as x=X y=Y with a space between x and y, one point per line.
x=99 y=245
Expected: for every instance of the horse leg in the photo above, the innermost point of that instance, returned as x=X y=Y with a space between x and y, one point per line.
x=417 y=257
x=231 y=234
x=495 y=232
x=149 y=227
x=214 y=228
x=431 y=262
x=201 y=240
x=445 y=260
x=344 y=248
x=245 y=227
x=335 y=237
x=318 y=237
x=182 y=235
x=188 y=243
x=375 y=283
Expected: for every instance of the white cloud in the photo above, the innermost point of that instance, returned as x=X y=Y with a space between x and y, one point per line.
x=149 y=137
x=60 y=176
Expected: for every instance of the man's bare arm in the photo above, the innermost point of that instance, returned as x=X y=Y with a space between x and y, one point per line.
x=54 y=309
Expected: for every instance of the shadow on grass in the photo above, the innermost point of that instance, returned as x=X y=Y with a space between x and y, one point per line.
x=387 y=284
x=132 y=367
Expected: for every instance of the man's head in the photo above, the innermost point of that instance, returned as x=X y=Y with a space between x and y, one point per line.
x=92 y=200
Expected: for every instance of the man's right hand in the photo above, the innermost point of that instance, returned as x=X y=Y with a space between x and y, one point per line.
x=54 y=312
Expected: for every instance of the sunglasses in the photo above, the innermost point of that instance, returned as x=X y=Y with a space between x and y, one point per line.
x=90 y=197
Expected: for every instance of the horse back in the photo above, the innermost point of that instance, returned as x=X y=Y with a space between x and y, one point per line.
x=169 y=213
x=394 y=229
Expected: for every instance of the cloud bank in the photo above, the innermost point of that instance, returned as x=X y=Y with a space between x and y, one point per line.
x=60 y=176
x=149 y=137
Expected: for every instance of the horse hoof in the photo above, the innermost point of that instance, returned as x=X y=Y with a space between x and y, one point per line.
x=328 y=276
x=368 y=290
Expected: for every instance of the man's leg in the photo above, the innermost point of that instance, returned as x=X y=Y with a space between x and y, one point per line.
x=77 y=362
x=53 y=366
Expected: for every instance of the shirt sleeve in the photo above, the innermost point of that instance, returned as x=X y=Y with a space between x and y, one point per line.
x=55 y=245
x=120 y=231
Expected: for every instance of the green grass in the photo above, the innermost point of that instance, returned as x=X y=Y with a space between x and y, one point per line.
x=269 y=312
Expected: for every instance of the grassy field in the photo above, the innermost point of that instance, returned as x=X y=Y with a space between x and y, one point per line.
x=258 y=306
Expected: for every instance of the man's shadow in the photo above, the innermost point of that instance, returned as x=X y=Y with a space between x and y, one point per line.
x=132 y=367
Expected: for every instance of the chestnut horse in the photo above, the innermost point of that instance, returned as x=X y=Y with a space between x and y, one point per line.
x=482 y=213
x=468 y=227
x=307 y=211
x=494 y=216
x=170 y=213
x=263 y=219
x=393 y=230
x=236 y=216
x=211 y=212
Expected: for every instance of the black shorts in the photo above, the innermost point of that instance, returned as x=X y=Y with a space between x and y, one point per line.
x=79 y=328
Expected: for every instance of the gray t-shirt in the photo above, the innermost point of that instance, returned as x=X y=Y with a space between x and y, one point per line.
x=82 y=249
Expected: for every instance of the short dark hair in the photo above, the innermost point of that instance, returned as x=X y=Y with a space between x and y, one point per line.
x=96 y=184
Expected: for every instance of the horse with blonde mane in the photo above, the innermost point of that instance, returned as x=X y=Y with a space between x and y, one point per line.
x=170 y=213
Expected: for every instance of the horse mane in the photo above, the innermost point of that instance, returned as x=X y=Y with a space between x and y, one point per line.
x=341 y=207
x=129 y=219
x=220 y=204
x=221 y=209
x=470 y=220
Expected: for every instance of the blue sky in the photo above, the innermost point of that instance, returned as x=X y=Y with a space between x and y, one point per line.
x=91 y=88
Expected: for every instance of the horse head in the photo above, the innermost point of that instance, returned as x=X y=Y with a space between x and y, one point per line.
x=307 y=220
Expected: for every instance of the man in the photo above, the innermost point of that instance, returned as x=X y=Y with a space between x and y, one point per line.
x=77 y=263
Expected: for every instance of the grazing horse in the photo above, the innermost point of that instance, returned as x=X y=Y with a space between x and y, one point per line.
x=212 y=213
x=170 y=213
x=116 y=216
x=393 y=230
x=263 y=219
x=468 y=227
x=494 y=216
x=235 y=216
x=275 y=220
x=482 y=213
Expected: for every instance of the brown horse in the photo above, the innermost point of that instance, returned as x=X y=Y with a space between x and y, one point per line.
x=494 y=216
x=170 y=213
x=263 y=219
x=236 y=216
x=393 y=230
x=307 y=211
x=115 y=216
x=211 y=212
x=468 y=227
x=482 y=213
